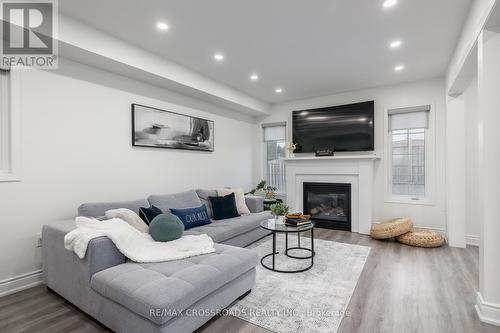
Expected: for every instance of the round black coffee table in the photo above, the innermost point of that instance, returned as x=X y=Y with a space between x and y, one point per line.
x=286 y=229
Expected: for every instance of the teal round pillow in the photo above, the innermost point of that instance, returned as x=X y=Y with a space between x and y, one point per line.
x=166 y=228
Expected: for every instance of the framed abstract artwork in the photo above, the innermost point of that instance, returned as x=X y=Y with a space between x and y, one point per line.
x=152 y=127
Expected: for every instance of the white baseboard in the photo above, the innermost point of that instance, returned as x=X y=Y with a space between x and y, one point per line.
x=488 y=312
x=472 y=240
x=21 y=282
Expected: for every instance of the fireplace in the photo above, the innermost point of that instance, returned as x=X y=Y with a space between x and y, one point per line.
x=329 y=204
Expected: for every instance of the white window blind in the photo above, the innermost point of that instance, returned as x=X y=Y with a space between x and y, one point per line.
x=275 y=133
x=409 y=118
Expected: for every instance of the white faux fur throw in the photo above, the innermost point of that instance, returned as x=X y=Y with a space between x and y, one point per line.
x=133 y=244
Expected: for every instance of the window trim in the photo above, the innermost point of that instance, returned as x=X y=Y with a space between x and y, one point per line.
x=264 y=150
x=13 y=125
x=430 y=160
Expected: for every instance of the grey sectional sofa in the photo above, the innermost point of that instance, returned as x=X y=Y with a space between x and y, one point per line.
x=175 y=296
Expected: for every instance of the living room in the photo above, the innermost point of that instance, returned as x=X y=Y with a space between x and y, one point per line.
x=231 y=166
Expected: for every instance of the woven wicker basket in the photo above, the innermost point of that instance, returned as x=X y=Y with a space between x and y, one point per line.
x=392 y=228
x=421 y=238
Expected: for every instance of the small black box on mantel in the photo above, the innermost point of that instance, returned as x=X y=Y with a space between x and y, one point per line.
x=324 y=152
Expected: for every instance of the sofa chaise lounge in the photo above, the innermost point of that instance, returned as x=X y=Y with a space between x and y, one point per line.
x=174 y=296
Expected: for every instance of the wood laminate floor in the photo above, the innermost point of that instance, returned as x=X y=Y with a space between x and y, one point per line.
x=402 y=289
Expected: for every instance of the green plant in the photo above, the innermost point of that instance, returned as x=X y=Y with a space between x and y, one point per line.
x=270 y=192
x=279 y=209
x=260 y=186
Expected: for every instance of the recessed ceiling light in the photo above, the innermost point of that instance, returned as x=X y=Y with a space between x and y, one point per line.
x=399 y=68
x=162 y=26
x=395 y=44
x=389 y=3
x=278 y=90
x=218 y=56
x=254 y=77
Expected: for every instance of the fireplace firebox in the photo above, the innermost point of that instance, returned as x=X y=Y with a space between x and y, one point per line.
x=329 y=204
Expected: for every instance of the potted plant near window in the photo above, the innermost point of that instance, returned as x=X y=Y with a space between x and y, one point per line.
x=279 y=210
x=270 y=192
x=260 y=187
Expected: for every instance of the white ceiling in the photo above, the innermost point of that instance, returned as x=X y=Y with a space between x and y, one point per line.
x=307 y=47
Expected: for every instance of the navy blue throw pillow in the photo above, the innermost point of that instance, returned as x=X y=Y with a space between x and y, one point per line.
x=224 y=207
x=192 y=217
x=148 y=214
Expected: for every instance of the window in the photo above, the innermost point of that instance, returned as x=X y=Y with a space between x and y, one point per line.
x=408 y=129
x=274 y=153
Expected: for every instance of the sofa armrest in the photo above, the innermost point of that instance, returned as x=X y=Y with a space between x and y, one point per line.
x=101 y=252
x=254 y=203
x=69 y=275
x=63 y=268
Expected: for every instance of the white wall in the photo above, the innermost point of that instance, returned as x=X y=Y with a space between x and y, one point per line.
x=410 y=94
x=455 y=171
x=76 y=147
x=472 y=222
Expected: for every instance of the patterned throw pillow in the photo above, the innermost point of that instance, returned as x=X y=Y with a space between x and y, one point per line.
x=192 y=217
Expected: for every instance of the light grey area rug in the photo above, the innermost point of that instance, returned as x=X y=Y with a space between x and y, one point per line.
x=311 y=301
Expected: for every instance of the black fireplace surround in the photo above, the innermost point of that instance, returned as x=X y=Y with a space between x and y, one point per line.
x=329 y=204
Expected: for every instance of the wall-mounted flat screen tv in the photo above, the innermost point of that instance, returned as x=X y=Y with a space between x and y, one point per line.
x=340 y=128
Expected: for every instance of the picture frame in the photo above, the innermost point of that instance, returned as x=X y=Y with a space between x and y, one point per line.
x=157 y=128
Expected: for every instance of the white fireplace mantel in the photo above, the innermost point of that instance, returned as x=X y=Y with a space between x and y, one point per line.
x=356 y=170
x=337 y=157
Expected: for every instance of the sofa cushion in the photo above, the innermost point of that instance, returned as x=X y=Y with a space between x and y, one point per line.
x=222 y=230
x=96 y=209
x=254 y=203
x=224 y=207
x=147 y=214
x=166 y=228
x=239 y=197
x=172 y=285
x=186 y=199
x=192 y=217
x=128 y=216
x=203 y=195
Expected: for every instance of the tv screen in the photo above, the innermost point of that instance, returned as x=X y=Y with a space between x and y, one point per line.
x=341 y=128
